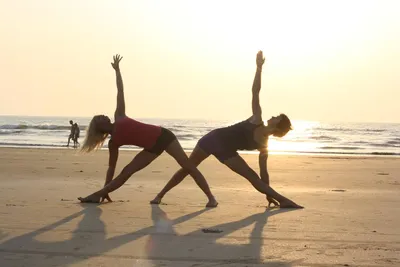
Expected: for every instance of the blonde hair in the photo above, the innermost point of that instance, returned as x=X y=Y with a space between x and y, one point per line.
x=94 y=138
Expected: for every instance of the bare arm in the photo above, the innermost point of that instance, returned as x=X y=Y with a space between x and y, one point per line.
x=120 y=110
x=262 y=161
x=255 y=103
x=112 y=163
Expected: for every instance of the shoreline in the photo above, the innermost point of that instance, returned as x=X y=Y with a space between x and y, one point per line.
x=286 y=153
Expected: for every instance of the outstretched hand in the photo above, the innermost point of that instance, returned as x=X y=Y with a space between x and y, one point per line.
x=288 y=204
x=106 y=197
x=272 y=201
x=260 y=59
x=117 y=58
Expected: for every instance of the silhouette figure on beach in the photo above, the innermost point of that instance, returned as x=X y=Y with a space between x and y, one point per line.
x=74 y=134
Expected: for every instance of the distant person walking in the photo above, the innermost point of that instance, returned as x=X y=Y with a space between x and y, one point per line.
x=76 y=135
x=72 y=132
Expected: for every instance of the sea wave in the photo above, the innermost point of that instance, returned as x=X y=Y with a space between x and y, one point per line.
x=375 y=130
x=10 y=132
x=395 y=141
x=386 y=153
x=333 y=129
x=197 y=129
x=343 y=129
x=387 y=144
x=342 y=147
x=360 y=142
x=325 y=138
x=187 y=136
x=37 y=127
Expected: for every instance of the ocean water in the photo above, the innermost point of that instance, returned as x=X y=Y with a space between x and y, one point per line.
x=307 y=136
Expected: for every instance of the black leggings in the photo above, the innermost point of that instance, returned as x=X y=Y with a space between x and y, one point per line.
x=163 y=141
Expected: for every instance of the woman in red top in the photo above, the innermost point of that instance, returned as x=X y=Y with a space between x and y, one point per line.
x=126 y=131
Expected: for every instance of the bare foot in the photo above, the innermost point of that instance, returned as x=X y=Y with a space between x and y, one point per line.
x=212 y=203
x=156 y=200
x=289 y=205
x=90 y=199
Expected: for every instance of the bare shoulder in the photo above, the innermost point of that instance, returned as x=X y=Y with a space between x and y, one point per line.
x=255 y=120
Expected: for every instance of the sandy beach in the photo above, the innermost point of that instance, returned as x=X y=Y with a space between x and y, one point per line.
x=351 y=215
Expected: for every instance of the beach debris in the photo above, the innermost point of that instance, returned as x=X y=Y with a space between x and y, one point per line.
x=15 y=205
x=338 y=190
x=382 y=173
x=63 y=199
x=212 y=231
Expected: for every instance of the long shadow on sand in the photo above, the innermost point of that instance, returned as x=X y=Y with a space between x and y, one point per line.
x=163 y=243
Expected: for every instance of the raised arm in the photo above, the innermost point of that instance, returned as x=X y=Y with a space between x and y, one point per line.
x=120 y=110
x=255 y=103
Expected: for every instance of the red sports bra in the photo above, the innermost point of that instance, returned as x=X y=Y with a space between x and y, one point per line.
x=128 y=131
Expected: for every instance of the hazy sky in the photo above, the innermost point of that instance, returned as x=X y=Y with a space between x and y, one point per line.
x=326 y=60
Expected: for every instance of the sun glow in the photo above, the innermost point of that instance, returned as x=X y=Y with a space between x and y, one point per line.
x=292 y=142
